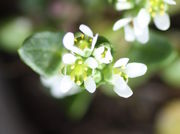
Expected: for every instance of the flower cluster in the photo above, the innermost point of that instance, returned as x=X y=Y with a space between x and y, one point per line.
x=139 y=14
x=89 y=63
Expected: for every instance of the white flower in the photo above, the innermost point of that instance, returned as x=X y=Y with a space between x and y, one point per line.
x=103 y=54
x=157 y=9
x=82 y=45
x=139 y=30
x=123 y=5
x=79 y=71
x=122 y=70
x=60 y=86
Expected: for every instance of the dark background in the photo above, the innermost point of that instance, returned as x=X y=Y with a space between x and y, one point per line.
x=26 y=109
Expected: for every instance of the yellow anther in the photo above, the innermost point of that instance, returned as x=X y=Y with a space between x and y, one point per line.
x=80 y=62
x=78 y=83
x=85 y=68
x=162 y=6
x=75 y=40
x=90 y=40
x=85 y=78
x=120 y=73
x=153 y=14
x=72 y=67
x=82 y=36
x=72 y=78
x=150 y=10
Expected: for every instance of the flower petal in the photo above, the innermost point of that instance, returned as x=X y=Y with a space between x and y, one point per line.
x=138 y=30
x=162 y=22
x=77 y=50
x=55 y=92
x=123 y=6
x=65 y=84
x=98 y=51
x=49 y=82
x=135 y=69
x=68 y=40
x=91 y=62
x=108 y=59
x=170 y=2
x=86 y=30
x=121 y=62
x=95 y=38
x=121 y=23
x=129 y=33
x=120 y=87
x=68 y=58
x=144 y=36
x=143 y=18
x=55 y=85
x=90 y=85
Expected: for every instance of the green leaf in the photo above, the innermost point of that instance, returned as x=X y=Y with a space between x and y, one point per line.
x=155 y=53
x=158 y=53
x=42 y=52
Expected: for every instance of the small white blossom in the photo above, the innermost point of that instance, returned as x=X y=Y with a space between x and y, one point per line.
x=79 y=71
x=122 y=70
x=103 y=54
x=82 y=45
x=135 y=28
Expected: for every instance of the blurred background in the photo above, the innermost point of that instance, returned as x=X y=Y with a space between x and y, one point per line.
x=27 y=108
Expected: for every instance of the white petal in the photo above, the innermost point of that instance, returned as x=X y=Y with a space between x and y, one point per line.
x=138 y=30
x=143 y=18
x=121 y=62
x=98 y=51
x=129 y=33
x=69 y=58
x=55 y=92
x=91 y=62
x=170 y=2
x=121 y=87
x=135 y=69
x=144 y=36
x=90 y=85
x=121 y=23
x=68 y=40
x=123 y=6
x=86 y=30
x=108 y=58
x=125 y=93
x=66 y=84
x=162 y=22
x=95 y=38
x=49 y=82
x=77 y=50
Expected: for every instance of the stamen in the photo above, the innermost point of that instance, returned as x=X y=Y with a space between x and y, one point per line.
x=80 y=62
x=78 y=83
x=75 y=40
x=82 y=36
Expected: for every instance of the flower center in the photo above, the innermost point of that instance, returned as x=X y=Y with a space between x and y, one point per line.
x=78 y=71
x=156 y=7
x=83 y=42
x=120 y=71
